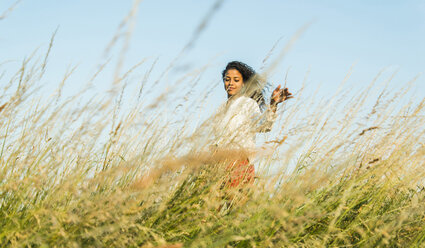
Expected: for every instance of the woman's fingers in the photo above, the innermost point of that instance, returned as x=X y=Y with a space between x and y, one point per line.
x=287 y=93
x=279 y=95
x=284 y=94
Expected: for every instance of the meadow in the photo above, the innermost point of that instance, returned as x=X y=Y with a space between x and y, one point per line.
x=93 y=170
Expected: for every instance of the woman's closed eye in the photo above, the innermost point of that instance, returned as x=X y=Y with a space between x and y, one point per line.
x=235 y=80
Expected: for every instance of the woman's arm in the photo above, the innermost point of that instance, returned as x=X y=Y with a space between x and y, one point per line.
x=260 y=122
x=278 y=96
x=267 y=119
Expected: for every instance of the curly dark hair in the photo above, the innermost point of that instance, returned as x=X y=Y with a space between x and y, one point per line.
x=246 y=70
x=252 y=85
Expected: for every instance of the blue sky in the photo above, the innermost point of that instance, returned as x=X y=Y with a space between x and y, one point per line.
x=372 y=35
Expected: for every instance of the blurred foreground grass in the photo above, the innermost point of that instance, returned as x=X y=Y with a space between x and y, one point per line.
x=76 y=173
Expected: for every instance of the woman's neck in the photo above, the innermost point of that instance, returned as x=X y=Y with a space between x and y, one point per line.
x=233 y=97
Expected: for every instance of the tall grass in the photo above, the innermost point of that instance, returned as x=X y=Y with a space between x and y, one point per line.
x=70 y=179
x=92 y=173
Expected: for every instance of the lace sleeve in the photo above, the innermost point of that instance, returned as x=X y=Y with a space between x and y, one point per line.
x=262 y=122
x=266 y=121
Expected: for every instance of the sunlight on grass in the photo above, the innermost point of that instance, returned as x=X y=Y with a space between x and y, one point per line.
x=84 y=171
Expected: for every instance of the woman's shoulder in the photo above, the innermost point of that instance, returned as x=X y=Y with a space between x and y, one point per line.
x=247 y=103
x=246 y=100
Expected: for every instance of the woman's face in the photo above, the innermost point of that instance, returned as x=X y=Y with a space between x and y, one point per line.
x=233 y=82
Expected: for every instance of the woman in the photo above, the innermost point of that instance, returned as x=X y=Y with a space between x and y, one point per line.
x=241 y=118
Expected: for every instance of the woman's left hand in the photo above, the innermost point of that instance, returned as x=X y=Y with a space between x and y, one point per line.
x=279 y=95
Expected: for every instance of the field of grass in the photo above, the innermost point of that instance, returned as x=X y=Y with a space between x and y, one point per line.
x=87 y=171
x=75 y=173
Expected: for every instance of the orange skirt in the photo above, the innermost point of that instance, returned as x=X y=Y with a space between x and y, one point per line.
x=240 y=172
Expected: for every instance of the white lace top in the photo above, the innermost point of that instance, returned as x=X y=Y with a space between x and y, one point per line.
x=238 y=120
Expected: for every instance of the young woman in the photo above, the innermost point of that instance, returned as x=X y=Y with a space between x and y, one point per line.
x=240 y=118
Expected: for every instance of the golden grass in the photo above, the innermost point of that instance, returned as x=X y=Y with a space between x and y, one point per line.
x=66 y=180
x=92 y=173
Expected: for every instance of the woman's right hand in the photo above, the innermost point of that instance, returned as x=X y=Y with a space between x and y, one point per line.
x=280 y=95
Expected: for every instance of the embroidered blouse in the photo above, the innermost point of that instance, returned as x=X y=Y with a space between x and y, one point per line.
x=238 y=120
